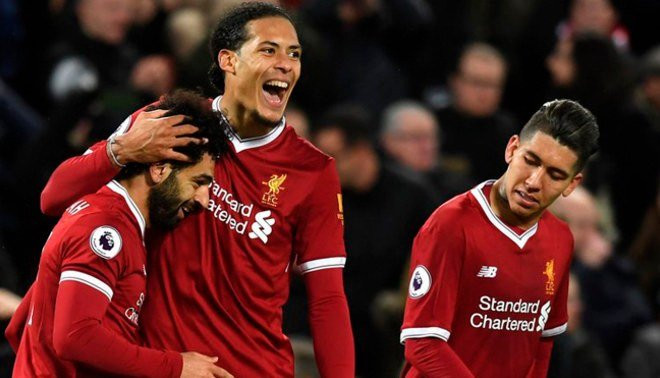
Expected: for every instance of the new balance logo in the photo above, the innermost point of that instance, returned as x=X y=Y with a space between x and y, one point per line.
x=487 y=271
x=261 y=227
x=77 y=207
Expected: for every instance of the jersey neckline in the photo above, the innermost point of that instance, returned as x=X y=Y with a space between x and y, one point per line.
x=247 y=143
x=519 y=240
x=132 y=206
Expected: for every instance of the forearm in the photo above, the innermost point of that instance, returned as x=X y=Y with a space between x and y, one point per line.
x=330 y=323
x=434 y=358
x=77 y=177
x=542 y=359
x=14 y=331
x=78 y=335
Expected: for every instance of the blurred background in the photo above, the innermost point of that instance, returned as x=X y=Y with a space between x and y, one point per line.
x=415 y=99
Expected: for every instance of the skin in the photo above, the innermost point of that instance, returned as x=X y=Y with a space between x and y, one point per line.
x=415 y=141
x=478 y=84
x=106 y=20
x=272 y=52
x=539 y=170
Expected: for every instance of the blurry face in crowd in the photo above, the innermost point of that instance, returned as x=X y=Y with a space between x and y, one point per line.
x=183 y=192
x=477 y=86
x=651 y=88
x=106 y=20
x=561 y=65
x=414 y=143
x=540 y=169
x=262 y=73
x=593 y=16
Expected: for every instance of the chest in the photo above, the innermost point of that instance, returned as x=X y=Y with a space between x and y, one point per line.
x=130 y=293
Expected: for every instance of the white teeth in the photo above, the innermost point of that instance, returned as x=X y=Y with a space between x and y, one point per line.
x=277 y=83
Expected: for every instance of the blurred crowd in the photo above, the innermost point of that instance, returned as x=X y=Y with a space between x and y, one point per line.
x=415 y=99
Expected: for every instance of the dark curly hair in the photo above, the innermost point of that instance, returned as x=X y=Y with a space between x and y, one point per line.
x=198 y=113
x=230 y=33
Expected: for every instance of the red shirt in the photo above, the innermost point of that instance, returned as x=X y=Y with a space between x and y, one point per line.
x=488 y=290
x=95 y=249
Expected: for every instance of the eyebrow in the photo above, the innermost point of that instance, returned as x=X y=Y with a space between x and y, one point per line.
x=554 y=169
x=275 y=44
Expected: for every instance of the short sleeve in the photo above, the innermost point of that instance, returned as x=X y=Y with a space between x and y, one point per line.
x=435 y=270
x=319 y=235
x=558 y=316
x=94 y=252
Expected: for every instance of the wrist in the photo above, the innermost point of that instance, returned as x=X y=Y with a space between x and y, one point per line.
x=114 y=151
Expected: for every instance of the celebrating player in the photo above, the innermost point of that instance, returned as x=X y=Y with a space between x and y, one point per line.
x=84 y=307
x=489 y=269
x=218 y=282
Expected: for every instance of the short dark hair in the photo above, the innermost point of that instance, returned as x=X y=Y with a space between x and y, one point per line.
x=352 y=120
x=198 y=113
x=570 y=124
x=230 y=33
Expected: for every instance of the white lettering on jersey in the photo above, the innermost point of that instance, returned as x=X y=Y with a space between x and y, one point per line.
x=487 y=318
x=543 y=318
x=261 y=227
x=77 y=207
x=487 y=272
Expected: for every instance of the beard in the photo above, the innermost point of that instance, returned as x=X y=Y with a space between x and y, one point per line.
x=262 y=120
x=164 y=202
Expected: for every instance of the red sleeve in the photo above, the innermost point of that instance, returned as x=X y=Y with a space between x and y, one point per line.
x=79 y=336
x=76 y=177
x=539 y=368
x=14 y=331
x=435 y=265
x=330 y=323
x=319 y=237
x=557 y=319
x=81 y=175
x=434 y=358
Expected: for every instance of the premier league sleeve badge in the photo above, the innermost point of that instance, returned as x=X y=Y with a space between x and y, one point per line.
x=105 y=241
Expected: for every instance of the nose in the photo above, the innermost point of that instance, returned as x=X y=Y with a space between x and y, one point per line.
x=202 y=196
x=284 y=63
x=533 y=181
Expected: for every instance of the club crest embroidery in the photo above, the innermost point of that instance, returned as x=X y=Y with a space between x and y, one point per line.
x=549 y=272
x=105 y=242
x=270 y=197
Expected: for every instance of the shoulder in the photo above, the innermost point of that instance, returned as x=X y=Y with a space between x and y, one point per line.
x=451 y=216
x=303 y=152
x=557 y=226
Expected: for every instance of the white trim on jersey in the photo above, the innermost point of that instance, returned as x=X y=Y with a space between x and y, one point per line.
x=121 y=130
x=320 y=264
x=420 y=333
x=246 y=144
x=520 y=240
x=117 y=188
x=554 y=331
x=72 y=275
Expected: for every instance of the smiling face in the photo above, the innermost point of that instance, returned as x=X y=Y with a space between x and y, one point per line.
x=540 y=170
x=260 y=76
x=183 y=192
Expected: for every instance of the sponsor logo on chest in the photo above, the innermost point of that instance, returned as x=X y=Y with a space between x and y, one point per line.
x=242 y=217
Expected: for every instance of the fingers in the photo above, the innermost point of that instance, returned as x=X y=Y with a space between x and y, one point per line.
x=220 y=372
x=184 y=141
x=185 y=129
x=173 y=155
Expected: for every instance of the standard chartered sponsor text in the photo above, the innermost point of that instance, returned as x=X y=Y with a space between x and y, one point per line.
x=223 y=205
x=492 y=321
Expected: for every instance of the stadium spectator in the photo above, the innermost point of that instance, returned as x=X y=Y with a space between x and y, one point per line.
x=411 y=138
x=614 y=307
x=383 y=209
x=594 y=16
x=474 y=127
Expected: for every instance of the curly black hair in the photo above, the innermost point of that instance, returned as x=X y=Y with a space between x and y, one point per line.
x=230 y=33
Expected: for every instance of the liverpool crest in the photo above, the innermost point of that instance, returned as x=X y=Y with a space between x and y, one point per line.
x=270 y=197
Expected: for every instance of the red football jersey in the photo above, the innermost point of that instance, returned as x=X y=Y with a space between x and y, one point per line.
x=488 y=290
x=98 y=242
x=219 y=280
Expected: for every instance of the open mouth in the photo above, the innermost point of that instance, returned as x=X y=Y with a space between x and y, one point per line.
x=528 y=201
x=274 y=92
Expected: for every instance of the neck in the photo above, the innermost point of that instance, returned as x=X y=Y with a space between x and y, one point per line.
x=244 y=122
x=138 y=190
x=500 y=205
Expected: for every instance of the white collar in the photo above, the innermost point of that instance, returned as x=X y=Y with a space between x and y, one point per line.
x=117 y=188
x=245 y=144
x=520 y=240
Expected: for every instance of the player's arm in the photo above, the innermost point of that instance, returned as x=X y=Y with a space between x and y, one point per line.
x=144 y=137
x=319 y=245
x=436 y=264
x=14 y=331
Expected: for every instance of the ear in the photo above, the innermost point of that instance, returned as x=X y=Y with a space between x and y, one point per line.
x=511 y=147
x=574 y=184
x=159 y=172
x=227 y=61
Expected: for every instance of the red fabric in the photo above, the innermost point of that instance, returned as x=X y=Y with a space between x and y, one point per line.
x=79 y=335
x=433 y=358
x=491 y=293
x=542 y=360
x=76 y=177
x=330 y=323
x=14 y=330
